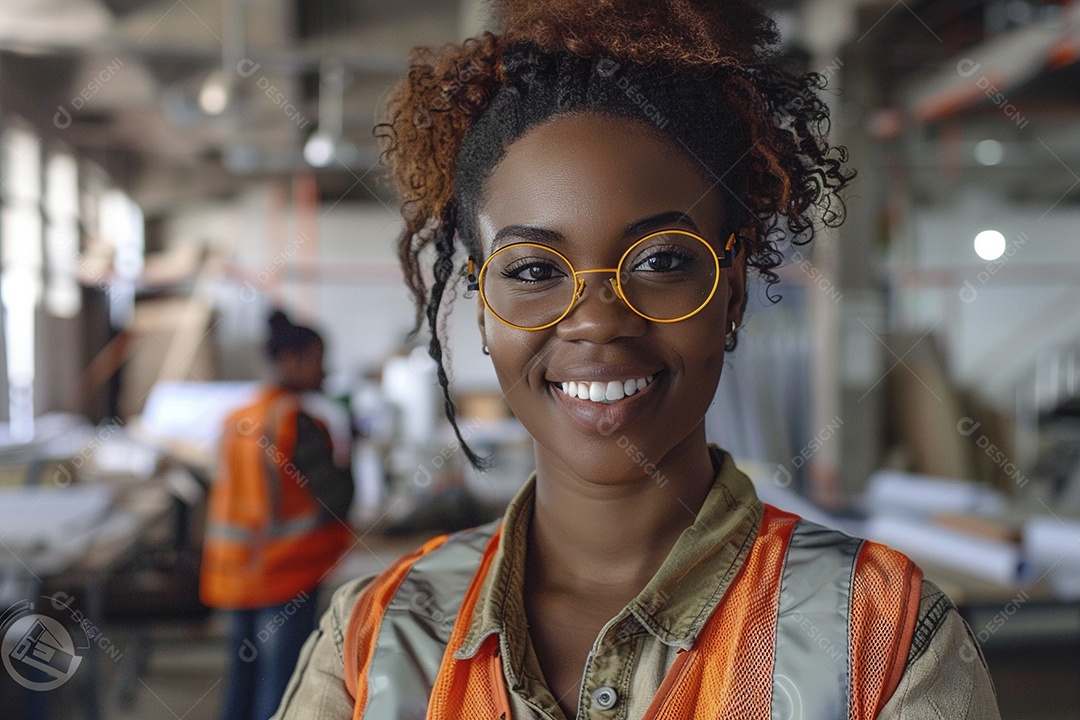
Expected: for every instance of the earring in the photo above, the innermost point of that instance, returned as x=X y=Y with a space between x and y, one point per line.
x=732 y=330
x=484 y=349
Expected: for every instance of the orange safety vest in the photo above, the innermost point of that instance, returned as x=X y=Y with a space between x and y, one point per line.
x=817 y=624
x=266 y=539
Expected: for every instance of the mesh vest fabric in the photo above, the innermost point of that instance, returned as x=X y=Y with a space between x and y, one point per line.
x=730 y=672
x=886 y=585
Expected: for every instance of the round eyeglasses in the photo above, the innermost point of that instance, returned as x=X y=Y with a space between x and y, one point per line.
x=666 y=276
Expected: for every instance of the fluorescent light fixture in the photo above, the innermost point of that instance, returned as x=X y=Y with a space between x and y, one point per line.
x=990 y=244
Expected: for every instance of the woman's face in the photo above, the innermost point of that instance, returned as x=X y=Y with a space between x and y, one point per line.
x=302 y=370
x=590 y=186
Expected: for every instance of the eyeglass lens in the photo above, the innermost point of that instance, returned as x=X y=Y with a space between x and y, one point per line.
x=662 y=277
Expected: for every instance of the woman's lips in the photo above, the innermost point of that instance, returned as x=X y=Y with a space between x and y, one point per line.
x=604 y=417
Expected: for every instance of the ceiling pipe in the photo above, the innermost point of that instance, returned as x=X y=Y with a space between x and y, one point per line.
x=289 y=59
x=989 y=71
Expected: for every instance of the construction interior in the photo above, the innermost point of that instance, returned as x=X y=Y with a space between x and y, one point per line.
x=173 y=169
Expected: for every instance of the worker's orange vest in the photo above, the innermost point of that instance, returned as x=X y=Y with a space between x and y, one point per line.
x=266 y=539
x=816 y=625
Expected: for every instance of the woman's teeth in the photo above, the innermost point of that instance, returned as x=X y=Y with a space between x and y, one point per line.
x=605 y=392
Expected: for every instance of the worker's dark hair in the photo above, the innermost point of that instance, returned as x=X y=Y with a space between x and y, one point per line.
x=285 y=337
x=699 y=72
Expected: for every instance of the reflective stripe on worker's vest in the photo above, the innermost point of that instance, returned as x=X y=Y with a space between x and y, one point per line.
x=417 y=624
x=811 y=674
x=813 y=578
x=276 y=530
x=228 y=531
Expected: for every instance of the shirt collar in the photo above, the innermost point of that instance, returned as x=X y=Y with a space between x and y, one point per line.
x=677 y=601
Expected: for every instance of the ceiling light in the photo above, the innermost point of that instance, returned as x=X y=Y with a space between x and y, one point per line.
x=327 y=142
x=990 y=244
x=319 y=149
x=989 y=152
x=214 y=94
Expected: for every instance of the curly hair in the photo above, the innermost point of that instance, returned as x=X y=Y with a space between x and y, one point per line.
x=702 y=74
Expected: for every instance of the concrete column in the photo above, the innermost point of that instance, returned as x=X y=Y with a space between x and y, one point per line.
x=847 y=308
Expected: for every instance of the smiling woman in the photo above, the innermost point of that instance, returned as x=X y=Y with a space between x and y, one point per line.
x=605 y=201
x=606 y=197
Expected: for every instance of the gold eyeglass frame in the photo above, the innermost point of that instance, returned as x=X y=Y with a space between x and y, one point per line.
x=724 y=260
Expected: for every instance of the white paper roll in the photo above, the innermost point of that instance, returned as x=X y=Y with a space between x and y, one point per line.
x=922 y=540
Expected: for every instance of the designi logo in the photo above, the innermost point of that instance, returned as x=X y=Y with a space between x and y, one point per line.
x=38 y=651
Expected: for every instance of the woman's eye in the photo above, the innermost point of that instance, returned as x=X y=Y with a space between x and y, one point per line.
x=663 y=261
x=532 y=272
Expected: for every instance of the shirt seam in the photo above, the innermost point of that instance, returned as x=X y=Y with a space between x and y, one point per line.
x=928 y=626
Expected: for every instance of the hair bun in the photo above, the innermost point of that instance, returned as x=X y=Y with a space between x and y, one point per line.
x=287 y=335
x=278 y=320
x=683 y=32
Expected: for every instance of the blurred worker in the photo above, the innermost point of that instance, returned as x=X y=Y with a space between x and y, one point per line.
x=276 y=524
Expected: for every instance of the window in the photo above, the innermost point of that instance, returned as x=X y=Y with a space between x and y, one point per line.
x=63 y=297
x=20 y=269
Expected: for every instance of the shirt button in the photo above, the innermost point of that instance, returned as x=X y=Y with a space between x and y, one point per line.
x=605 y=697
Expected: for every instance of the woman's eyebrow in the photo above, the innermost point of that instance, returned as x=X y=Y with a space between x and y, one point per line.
x=527 y=233
x=659 y=221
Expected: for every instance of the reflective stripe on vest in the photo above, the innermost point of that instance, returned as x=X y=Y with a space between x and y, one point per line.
x=816 y=625
x=417 y=624
x=811 y=658
x=275 y=531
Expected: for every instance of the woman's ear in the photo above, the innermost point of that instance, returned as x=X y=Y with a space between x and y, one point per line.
x=736 y=282
x=480 y=317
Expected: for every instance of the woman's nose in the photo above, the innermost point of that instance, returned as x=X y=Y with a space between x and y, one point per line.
x=600 y=314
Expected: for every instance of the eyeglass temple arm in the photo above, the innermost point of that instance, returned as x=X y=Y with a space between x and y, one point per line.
x=473 y=285
x=731 y=249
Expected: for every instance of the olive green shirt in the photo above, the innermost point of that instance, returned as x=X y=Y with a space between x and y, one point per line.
x=945 y=676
